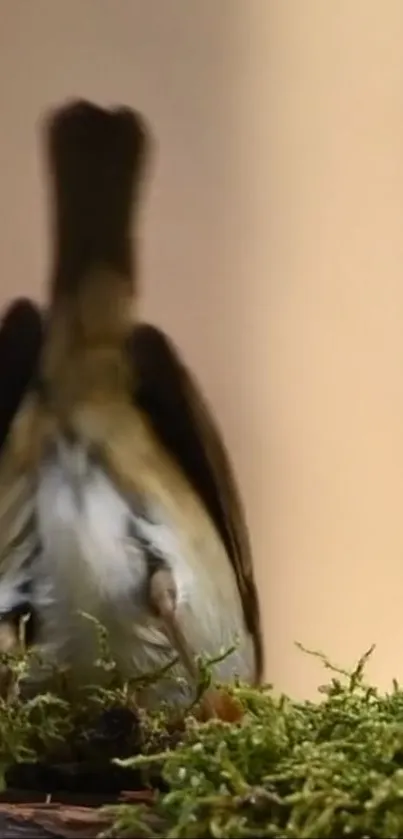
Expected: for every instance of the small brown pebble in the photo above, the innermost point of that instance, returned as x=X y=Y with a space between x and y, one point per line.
x=218 y=704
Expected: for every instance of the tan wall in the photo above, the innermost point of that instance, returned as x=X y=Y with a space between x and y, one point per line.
x=273 y=253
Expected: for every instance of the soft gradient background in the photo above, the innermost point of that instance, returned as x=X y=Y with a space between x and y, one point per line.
x=272 y=253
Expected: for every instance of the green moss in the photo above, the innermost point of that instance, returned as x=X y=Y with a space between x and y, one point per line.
x=290 y=769
x=287 y=769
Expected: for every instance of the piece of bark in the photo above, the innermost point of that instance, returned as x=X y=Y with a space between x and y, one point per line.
x=72 y=799
x=50 y=821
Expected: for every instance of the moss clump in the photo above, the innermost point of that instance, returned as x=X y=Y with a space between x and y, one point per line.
x=288 y=769
x=284 y=769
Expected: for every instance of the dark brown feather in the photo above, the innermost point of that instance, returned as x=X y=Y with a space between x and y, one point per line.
x=168 y=394
x=21 y=333
x=96 y=160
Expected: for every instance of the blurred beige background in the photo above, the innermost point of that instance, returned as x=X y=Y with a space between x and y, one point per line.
x=272 y=253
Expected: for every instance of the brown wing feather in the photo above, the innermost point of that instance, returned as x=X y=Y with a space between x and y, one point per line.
x=169 y=396
x=21 y=333
x=20 y=344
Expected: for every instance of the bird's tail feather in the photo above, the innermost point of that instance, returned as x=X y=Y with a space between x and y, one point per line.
x=96 y=162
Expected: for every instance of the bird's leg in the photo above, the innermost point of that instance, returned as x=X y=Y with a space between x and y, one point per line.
x=163 y=601
x=18 y=461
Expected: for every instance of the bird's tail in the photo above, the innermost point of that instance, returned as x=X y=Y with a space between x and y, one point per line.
x=96 y=161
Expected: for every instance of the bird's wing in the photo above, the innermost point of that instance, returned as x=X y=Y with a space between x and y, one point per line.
x=20 y=345
x=169 y=396
x=21 y=333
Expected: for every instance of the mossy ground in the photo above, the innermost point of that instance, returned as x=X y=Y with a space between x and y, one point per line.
x=285 y=769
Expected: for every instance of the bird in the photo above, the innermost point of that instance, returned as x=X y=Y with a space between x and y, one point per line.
x=118 y=498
